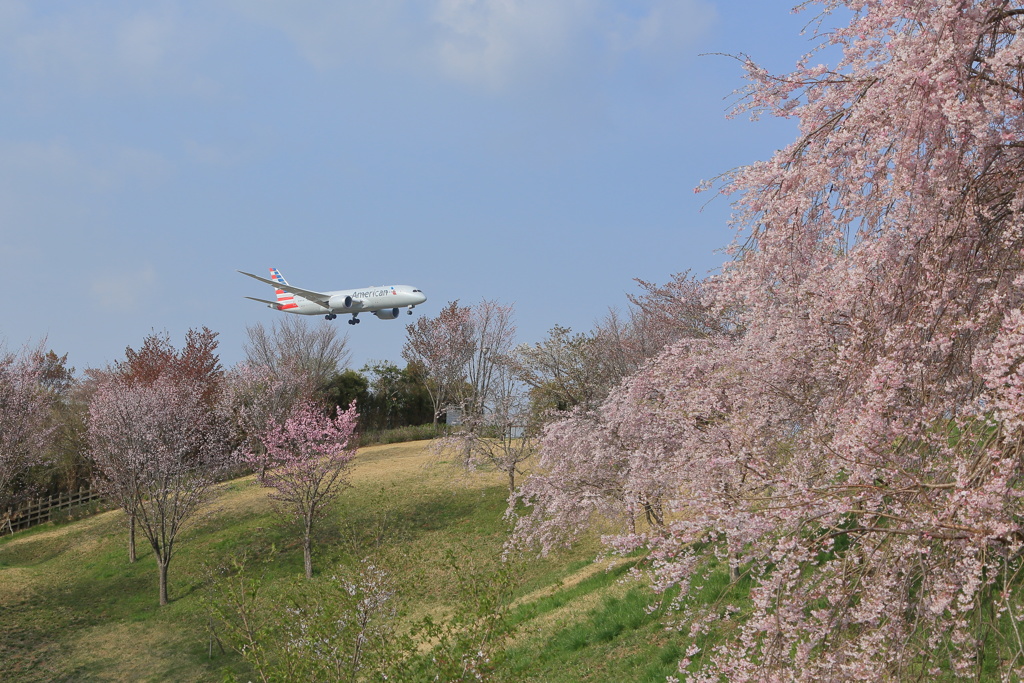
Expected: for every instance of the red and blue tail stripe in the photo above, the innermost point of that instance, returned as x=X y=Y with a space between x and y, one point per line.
x=285 y=300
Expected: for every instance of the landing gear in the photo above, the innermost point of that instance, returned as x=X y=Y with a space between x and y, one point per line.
x=330 y=316
x=410 y=310
x=353 y=321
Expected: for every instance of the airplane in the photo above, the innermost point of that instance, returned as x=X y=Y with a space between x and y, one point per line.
x=383 y=301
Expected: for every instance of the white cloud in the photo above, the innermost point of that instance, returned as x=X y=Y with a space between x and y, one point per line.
x=497 y=45
x=97 y=48
x=329 y=34
x=498 y=42
x=494 y=44
x=503 y=43
x=665 y=28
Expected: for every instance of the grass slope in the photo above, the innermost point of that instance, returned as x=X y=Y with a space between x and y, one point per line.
x=73 y=608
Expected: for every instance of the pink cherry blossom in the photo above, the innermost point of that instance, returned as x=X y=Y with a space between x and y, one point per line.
x=25 y=427
x=305 y=461
x=850 y=441
x=158 y=449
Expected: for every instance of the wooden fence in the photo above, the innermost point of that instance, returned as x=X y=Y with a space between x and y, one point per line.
x=42 y=509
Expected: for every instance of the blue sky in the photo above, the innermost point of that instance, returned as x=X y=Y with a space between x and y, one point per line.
x=536 y=152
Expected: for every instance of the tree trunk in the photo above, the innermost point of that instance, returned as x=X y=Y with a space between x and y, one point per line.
x=131 y=538
x=162 y=563
x=653 y=514
x=512 y=480
x=307 y=553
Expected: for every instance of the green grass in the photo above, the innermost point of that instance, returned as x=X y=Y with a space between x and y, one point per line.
x=619 y=639
x=74 y=608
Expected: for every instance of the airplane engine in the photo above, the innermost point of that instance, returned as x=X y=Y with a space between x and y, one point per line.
x=343 y=303
x=387 y=314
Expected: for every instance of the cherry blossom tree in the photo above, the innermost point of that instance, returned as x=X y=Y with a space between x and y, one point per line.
x=158 y=448
x=285 y=366
x=118 y=452
x=442 y=346
x=25 y=426
x=851 y=443
x=306 y=460
x=682 y=308
x=570 y=370
x=255 y=398
x=614 y=462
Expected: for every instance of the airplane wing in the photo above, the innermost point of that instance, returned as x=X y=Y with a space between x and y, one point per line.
x=316 y=297
x=272 y=304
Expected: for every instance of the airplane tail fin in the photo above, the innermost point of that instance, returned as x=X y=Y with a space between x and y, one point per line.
x=285 y=300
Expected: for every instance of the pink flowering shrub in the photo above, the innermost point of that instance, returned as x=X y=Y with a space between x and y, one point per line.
x=306 y=460
x=255 y=398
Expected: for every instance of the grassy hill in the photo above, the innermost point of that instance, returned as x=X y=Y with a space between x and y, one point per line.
x=73 y=608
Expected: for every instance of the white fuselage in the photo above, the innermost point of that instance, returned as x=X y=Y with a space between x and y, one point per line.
x=369 y=299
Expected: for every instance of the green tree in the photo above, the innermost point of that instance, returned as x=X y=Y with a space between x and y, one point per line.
x=344 y=387
x=398 y=396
